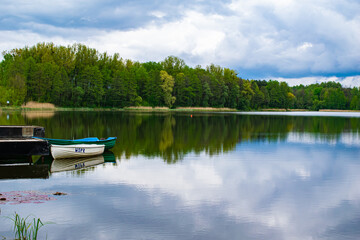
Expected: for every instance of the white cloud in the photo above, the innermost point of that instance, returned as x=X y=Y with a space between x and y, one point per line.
x=270 y=38
x=352 y=81
x=193 y=35
x=19 y=39
x=304 y=46
x=158 y=14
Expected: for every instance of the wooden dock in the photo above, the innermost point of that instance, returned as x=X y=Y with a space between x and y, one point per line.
x=7 y=131
x=18 y=141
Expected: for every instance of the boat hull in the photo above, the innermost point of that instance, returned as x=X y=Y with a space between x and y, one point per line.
x=76 y=151
x=109 y=142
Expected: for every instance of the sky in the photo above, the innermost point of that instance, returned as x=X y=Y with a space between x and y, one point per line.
x=297 y=41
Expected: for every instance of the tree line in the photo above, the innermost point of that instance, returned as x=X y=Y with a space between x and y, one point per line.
x=79 y=76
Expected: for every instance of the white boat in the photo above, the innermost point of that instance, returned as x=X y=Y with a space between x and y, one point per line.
x=69 y=164
x=76 y=151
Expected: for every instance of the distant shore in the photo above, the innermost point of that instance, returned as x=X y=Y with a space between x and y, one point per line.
x=135 y=109
x=34 y=106
x=165 y=109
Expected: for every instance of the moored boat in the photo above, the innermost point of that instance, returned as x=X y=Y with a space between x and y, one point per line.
x=108 y=142
x=76 y=150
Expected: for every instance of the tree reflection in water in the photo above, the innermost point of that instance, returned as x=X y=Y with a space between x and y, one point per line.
x=172 y=135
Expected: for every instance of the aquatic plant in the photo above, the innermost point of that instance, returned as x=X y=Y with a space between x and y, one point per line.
x=25 y=229
x=19 y=197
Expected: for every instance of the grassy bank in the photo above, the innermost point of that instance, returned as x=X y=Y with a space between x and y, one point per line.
x=283 y=110
x=49 y=108
x=158 y=109
x=180 y=109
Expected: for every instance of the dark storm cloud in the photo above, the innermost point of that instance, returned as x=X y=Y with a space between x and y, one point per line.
x=108 y=14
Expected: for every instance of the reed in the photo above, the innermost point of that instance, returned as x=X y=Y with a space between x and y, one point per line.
x=25 y=229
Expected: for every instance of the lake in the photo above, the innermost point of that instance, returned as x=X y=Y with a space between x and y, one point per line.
x=196 y=176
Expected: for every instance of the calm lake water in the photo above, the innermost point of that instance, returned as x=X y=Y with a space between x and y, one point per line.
x=209 y=176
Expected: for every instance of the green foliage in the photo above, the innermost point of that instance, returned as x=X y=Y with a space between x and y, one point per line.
x=258 y=99
x=167 y=86
x=334 y=98
x=355 y=99
x=79 y=76
x=173 y=65
x=91 y=81
x=246 y=95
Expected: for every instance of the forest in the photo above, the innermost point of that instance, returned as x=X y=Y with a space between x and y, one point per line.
x=79 y=76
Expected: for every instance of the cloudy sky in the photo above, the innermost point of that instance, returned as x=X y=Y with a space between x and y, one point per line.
x=291 y=40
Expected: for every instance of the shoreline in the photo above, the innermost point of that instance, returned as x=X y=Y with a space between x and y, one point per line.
x=165 y=109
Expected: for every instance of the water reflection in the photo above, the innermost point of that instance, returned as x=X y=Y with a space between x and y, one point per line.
x=260 y=190
x=271 y=191
x=15 y=171
x=28 y=167
x=344 y=139
x=70 y=164
x=38 y=114
x=172 y=136
x=241 y=177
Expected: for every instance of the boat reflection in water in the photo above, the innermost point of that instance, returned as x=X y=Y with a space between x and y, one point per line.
x=22 y=168
x=70 y=164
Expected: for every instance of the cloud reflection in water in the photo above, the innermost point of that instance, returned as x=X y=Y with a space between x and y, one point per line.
x=297 y=190
x=302 y=187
